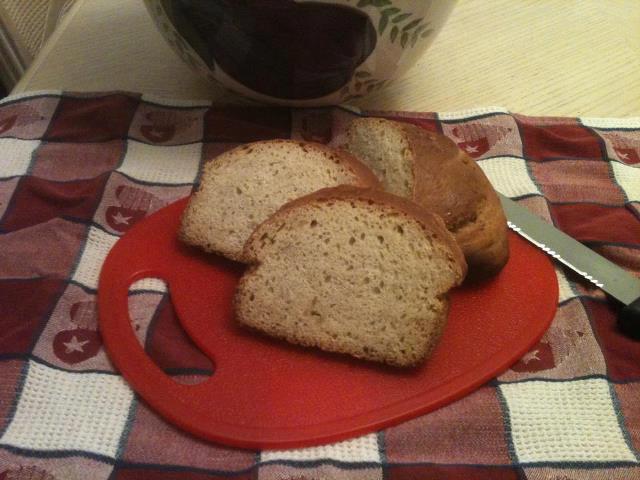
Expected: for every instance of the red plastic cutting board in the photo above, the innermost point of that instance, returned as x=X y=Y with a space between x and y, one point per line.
x=268 y=394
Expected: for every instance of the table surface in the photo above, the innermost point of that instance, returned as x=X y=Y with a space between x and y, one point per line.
x=537 y=57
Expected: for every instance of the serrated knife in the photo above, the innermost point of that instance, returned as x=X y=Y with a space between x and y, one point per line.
x=608 y=276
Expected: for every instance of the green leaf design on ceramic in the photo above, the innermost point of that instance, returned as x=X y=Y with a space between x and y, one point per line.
x=420 y=28
x=394 y=33
x=404 y=39
x=384 y=18
x=384 y=21
x=426 y=33
x=363 y=83
x=401 y=17
x=389 y=11
x=375 y=3
x=408 y=30
x=414 y=38
x=411 y=24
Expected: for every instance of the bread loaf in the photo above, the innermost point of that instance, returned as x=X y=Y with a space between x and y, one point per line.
x=351 y=270
x=242 y=187
x=432 y=171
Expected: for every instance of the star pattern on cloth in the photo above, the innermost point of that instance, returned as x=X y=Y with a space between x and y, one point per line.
x=471 y=149
x=120 y=219
x=531 y=356
x=75 y=345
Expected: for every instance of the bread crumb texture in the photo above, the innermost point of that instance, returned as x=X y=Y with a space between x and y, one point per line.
x=432 y=171
x=386 y=151
x=242 y=187
x=352 y=276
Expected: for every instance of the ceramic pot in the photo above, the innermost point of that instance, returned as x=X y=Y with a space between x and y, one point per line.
x=298 y=52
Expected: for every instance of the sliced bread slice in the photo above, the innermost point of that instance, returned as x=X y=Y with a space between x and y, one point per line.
x=242 y=187
x=350 y=270
x=432 y=171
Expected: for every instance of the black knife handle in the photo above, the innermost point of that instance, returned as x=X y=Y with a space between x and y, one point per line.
x=629 y=319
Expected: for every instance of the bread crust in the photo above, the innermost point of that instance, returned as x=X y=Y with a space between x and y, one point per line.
x=429 y=221
x=450 y=183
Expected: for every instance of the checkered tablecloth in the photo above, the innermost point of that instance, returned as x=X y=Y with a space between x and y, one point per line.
x=78 y=170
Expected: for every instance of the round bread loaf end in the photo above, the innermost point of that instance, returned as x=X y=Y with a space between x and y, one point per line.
x=431 y=170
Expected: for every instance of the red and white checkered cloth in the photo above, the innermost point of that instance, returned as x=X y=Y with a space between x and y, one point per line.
x=78 y=170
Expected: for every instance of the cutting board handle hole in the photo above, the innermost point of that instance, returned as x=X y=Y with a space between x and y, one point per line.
x=160 y=333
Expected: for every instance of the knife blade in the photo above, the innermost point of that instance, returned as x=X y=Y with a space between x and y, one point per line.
x=606 y=275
